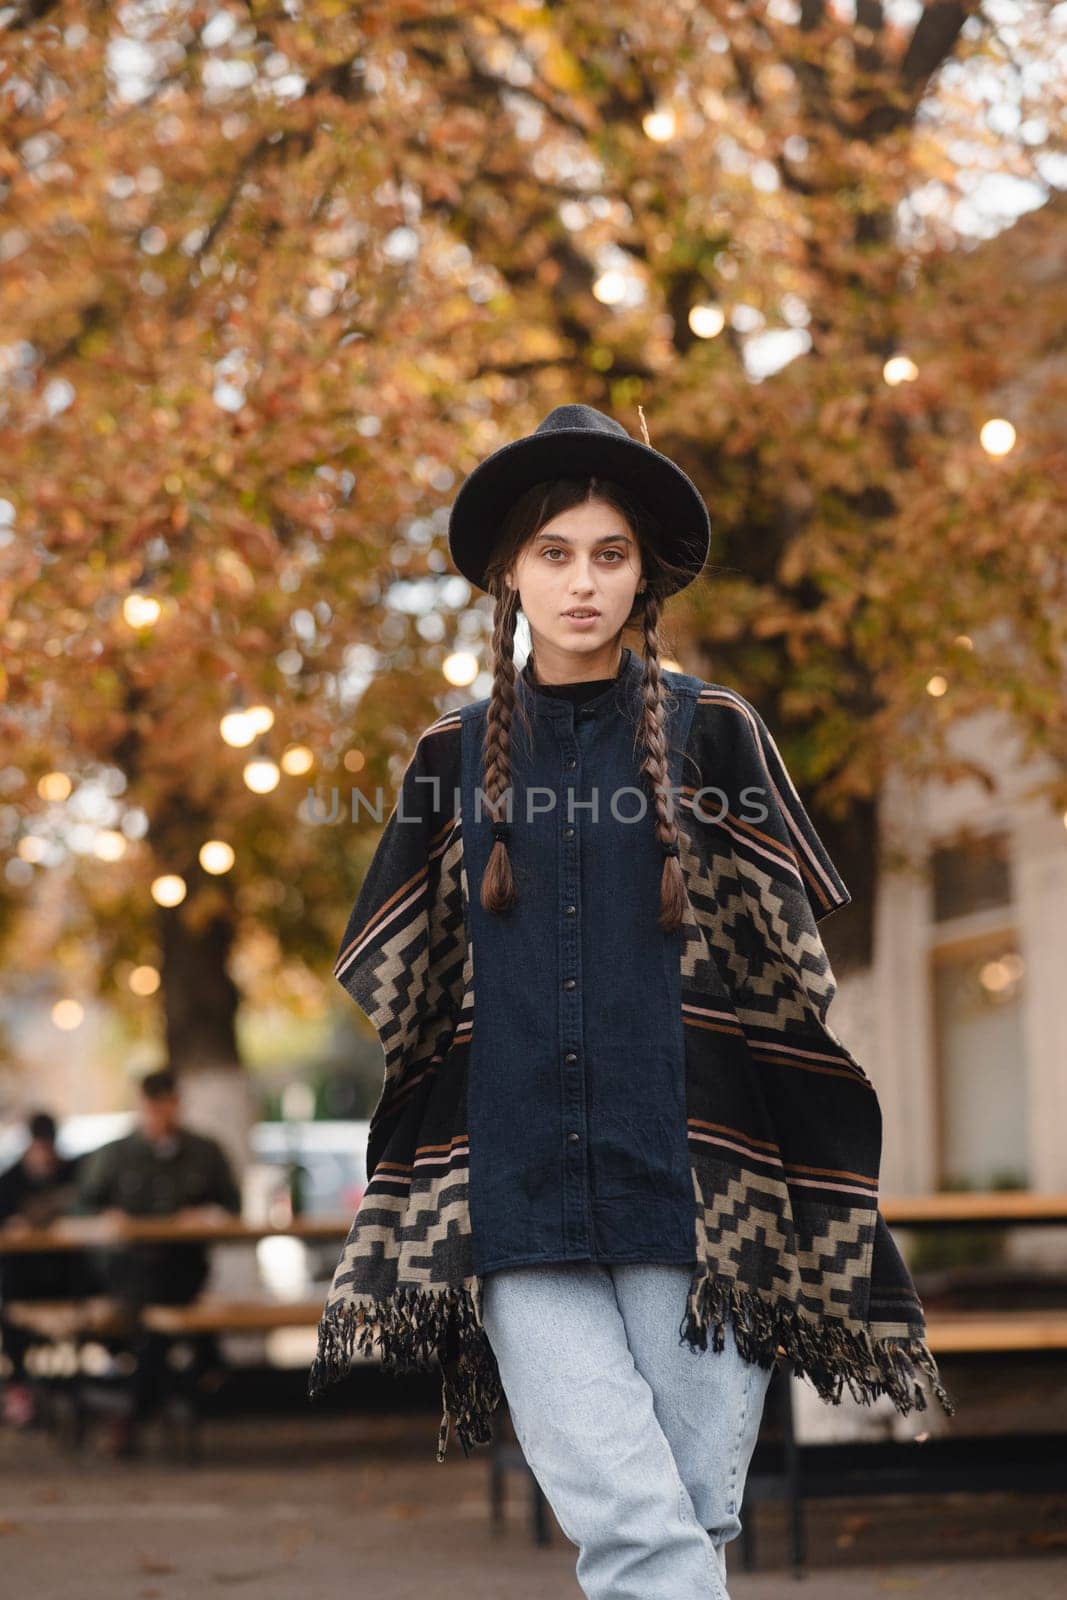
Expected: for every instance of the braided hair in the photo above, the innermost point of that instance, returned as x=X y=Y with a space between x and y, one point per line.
x=527 y=516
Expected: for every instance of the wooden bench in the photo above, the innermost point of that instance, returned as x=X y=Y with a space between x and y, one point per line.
x=219 y=1315
x=215 y=1314
x=56 y=1321
x=996 y=1332
x=80 y=1322
x=1026 y=1463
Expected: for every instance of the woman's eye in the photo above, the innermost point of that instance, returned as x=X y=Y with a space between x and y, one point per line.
x=554 y=550
x=557 y=551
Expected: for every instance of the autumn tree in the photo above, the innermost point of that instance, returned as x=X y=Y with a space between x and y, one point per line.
x=275 y=280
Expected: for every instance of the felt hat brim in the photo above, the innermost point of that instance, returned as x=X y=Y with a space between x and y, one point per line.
x=492 y=488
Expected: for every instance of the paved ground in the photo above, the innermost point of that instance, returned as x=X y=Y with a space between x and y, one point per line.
x=343 y=1506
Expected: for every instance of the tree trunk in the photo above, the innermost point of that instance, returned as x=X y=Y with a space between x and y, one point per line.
x=199 y=996
x=200 y=1009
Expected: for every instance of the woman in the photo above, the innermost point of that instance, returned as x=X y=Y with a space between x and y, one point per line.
x=614 y=1117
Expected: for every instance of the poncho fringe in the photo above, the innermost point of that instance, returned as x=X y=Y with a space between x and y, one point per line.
x=406 y=1332
x=784 y=1126
x=828 y=1354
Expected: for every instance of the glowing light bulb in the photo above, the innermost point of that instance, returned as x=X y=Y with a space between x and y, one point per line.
x=54 y=786
x=237 y=728
x=706 y=321
x=900 y=369
x=610 y=288
x=169 y=889
x=660 y=125
x=997 y=436
x=68 y=1014
x=262 y=775
x=140 y=610
x=216 y=856
x=109 y=845
x=461 y=667
x=297 y=760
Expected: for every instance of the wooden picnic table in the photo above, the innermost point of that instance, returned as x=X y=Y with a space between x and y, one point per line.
x=1000 y=1208
x=1034 y=1462
x=951 y=1208
x=85 y=1232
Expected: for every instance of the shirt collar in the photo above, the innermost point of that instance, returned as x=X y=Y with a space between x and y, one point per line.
x=166 y=1148
x=618 y=694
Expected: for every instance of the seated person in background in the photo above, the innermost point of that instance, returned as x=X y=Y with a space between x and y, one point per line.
x=162 y=1169
x=34 y=1191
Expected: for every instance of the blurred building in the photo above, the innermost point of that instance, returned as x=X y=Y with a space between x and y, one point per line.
x=961 y=1018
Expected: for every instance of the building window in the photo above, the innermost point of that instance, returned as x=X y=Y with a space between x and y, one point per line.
x=972 y=874
x=977 y=977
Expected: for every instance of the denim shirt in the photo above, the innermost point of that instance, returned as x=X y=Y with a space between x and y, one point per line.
x=576 y=1109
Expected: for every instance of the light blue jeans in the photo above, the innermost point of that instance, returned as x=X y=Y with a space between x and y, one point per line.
x=640 y=1443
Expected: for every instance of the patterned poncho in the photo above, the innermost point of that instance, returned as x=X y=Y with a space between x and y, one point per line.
x=784 y=1126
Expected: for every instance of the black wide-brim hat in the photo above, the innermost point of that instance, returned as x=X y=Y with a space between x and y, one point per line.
x=577 y=441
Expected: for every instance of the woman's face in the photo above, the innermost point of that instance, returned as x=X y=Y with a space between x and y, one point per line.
x=585 y=559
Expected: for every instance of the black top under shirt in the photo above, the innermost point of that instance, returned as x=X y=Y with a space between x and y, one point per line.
x=578 y=693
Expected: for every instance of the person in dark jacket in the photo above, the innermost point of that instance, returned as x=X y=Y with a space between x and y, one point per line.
x=161 y=1169
x=34 y=1190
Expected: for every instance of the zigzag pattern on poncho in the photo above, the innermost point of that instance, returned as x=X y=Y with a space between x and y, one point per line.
x=784 y=1126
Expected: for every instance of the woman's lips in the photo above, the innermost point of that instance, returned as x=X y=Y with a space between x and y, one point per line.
x=582 y=622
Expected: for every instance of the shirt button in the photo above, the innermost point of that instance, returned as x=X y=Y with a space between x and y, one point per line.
x=568 y=983
x=568 y=833
x=570 y=1058
x=572 y=1138
x=570 y=910
x=572 y=762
